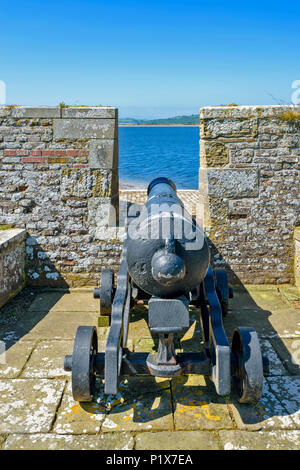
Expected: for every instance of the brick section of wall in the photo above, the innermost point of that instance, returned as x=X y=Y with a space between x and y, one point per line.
x=249 y=159
x=58 y=176
x=12 y=263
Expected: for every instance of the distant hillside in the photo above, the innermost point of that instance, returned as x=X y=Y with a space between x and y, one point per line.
x=192 y=119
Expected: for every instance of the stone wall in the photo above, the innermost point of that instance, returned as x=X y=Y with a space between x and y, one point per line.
x=249 y=159
x=12 y=263
x=297 y=257
x=58 y=180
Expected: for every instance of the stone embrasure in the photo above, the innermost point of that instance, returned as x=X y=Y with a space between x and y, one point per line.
x=56 y=165
x=249 y=159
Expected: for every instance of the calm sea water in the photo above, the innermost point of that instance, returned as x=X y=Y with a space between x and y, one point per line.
x=148 y=152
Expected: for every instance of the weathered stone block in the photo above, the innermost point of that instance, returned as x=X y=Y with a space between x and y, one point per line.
x=85 y=129
x=75 y=182
x=12 y=263
x=237 y=112
x=101 y=212
x=240 y=208
x=86 y=183
x=89 y=112
x=229 y=128
x=40 y=112
x=215 y=154
x=231 y=183
x=103 y=154
x=104 y=183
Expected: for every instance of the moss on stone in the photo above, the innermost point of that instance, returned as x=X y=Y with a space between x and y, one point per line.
x=291 y=116
x=63 y=105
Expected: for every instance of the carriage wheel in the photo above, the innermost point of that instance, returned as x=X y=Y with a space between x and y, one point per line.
x=83 y=363
x=222 y=289
x=247 y=365
x=106 y=291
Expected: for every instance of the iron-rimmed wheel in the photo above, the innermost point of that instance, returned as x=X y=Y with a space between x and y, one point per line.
x=246 y=365
x=222 y=289
x=83 y=363
x=106 y=291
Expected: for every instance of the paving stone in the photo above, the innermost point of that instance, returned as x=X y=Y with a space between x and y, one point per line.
x=38 y=339
x=28 y=406
x=47 y=360
x=190 y=198
x=275 y=365
x=145 y=345
x=61 y=325
x=193 y=344
x=287 y=389
x=14 y=359
x=268 y=324
x=252 y=296
x=179 y=440
x=289 y=352
x=109 y=441
x=269 y=413
x=272 y=440
x=144 y=404
x=197 y=406
x=138 y=329
x=80 y=418
x=65 y=302
x=191 y=341
x=45 y=301
x=102 y=344
x=291 y=294
x=263 y=298
x=16 y=327
x=102 y=333
x=147 y=412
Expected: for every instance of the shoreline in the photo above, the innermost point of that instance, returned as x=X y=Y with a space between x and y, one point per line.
x=158 y=125
x=129 y=185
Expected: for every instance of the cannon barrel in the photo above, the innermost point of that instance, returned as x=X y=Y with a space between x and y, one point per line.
x=166 y=252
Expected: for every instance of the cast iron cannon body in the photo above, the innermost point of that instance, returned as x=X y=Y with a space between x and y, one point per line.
x=166 y=263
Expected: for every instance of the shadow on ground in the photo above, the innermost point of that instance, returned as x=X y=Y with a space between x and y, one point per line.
x=192 y=400
x=186 y=402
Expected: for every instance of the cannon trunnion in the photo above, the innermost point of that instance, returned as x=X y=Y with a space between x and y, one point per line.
x=165 y=263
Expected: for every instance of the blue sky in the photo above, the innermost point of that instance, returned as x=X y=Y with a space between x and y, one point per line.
x=149 y=58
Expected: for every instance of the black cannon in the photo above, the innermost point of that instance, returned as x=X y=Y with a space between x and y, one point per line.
x=166 y=263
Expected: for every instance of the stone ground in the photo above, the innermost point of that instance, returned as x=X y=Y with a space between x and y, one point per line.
x=189 y=197
x=37 y=410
